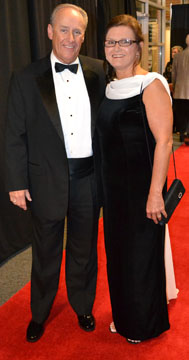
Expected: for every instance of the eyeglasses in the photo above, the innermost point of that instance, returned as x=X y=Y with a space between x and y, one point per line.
x=122 y=42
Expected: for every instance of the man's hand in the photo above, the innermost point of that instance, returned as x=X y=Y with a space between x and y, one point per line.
x=19 y=198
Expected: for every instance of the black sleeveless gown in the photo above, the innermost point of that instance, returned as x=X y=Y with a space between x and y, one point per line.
x=134 y=244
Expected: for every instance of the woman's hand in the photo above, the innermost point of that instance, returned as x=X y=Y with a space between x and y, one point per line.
x=155 y=207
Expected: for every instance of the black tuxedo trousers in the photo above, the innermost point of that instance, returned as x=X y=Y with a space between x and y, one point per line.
x=81 y=253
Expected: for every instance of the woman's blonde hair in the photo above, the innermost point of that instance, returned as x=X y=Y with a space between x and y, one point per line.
x=178 y=47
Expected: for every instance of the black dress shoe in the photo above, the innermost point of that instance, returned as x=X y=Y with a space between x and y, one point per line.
x=86 y=322
x=34 y=331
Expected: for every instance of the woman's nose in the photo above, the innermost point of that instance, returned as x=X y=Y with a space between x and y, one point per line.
x=117 y=46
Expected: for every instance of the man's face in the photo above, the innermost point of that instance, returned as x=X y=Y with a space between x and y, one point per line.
x=187 y=40
x=67 y=34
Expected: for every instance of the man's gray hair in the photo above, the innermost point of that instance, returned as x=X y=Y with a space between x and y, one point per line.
x=72 y=6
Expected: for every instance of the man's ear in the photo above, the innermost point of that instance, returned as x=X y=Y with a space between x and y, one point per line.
x=50 y=31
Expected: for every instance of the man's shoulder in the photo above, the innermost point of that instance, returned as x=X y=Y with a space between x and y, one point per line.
x=182 y=54
x=35 y=68
x=90 y=61
x=186 y=51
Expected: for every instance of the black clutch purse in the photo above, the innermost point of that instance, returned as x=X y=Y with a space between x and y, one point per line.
x=172 y=199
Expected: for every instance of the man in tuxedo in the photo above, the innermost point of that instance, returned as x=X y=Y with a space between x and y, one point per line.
x=51 y=120
x=180 y=77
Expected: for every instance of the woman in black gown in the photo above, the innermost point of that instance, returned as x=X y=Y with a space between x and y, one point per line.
x=136 y=110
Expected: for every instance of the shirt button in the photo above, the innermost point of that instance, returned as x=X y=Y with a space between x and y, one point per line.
x=71 y=115
x=69 y=97
x=67 y=80
x=71 y=133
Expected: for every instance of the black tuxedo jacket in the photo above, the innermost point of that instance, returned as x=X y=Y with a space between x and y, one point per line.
x=35 y=151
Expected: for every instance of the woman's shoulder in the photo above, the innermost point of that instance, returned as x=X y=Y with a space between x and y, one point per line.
x=151 y=76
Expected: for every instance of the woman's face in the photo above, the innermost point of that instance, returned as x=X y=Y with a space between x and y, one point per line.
x=121 y=58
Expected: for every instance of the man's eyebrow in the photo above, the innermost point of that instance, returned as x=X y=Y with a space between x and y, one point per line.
x=67 y=27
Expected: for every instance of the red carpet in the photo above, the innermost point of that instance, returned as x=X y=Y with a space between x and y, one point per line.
x=63 y=339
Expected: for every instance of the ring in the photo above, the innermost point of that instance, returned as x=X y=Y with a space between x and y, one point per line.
x=14 y=201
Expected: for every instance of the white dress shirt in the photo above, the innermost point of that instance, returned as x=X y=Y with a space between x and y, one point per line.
x=74 y=109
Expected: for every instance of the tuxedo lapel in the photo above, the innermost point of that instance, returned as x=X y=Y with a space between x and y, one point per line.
x=47 y=90
x=91 y=79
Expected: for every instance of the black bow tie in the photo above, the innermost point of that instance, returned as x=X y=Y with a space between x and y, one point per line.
x=61 y=67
